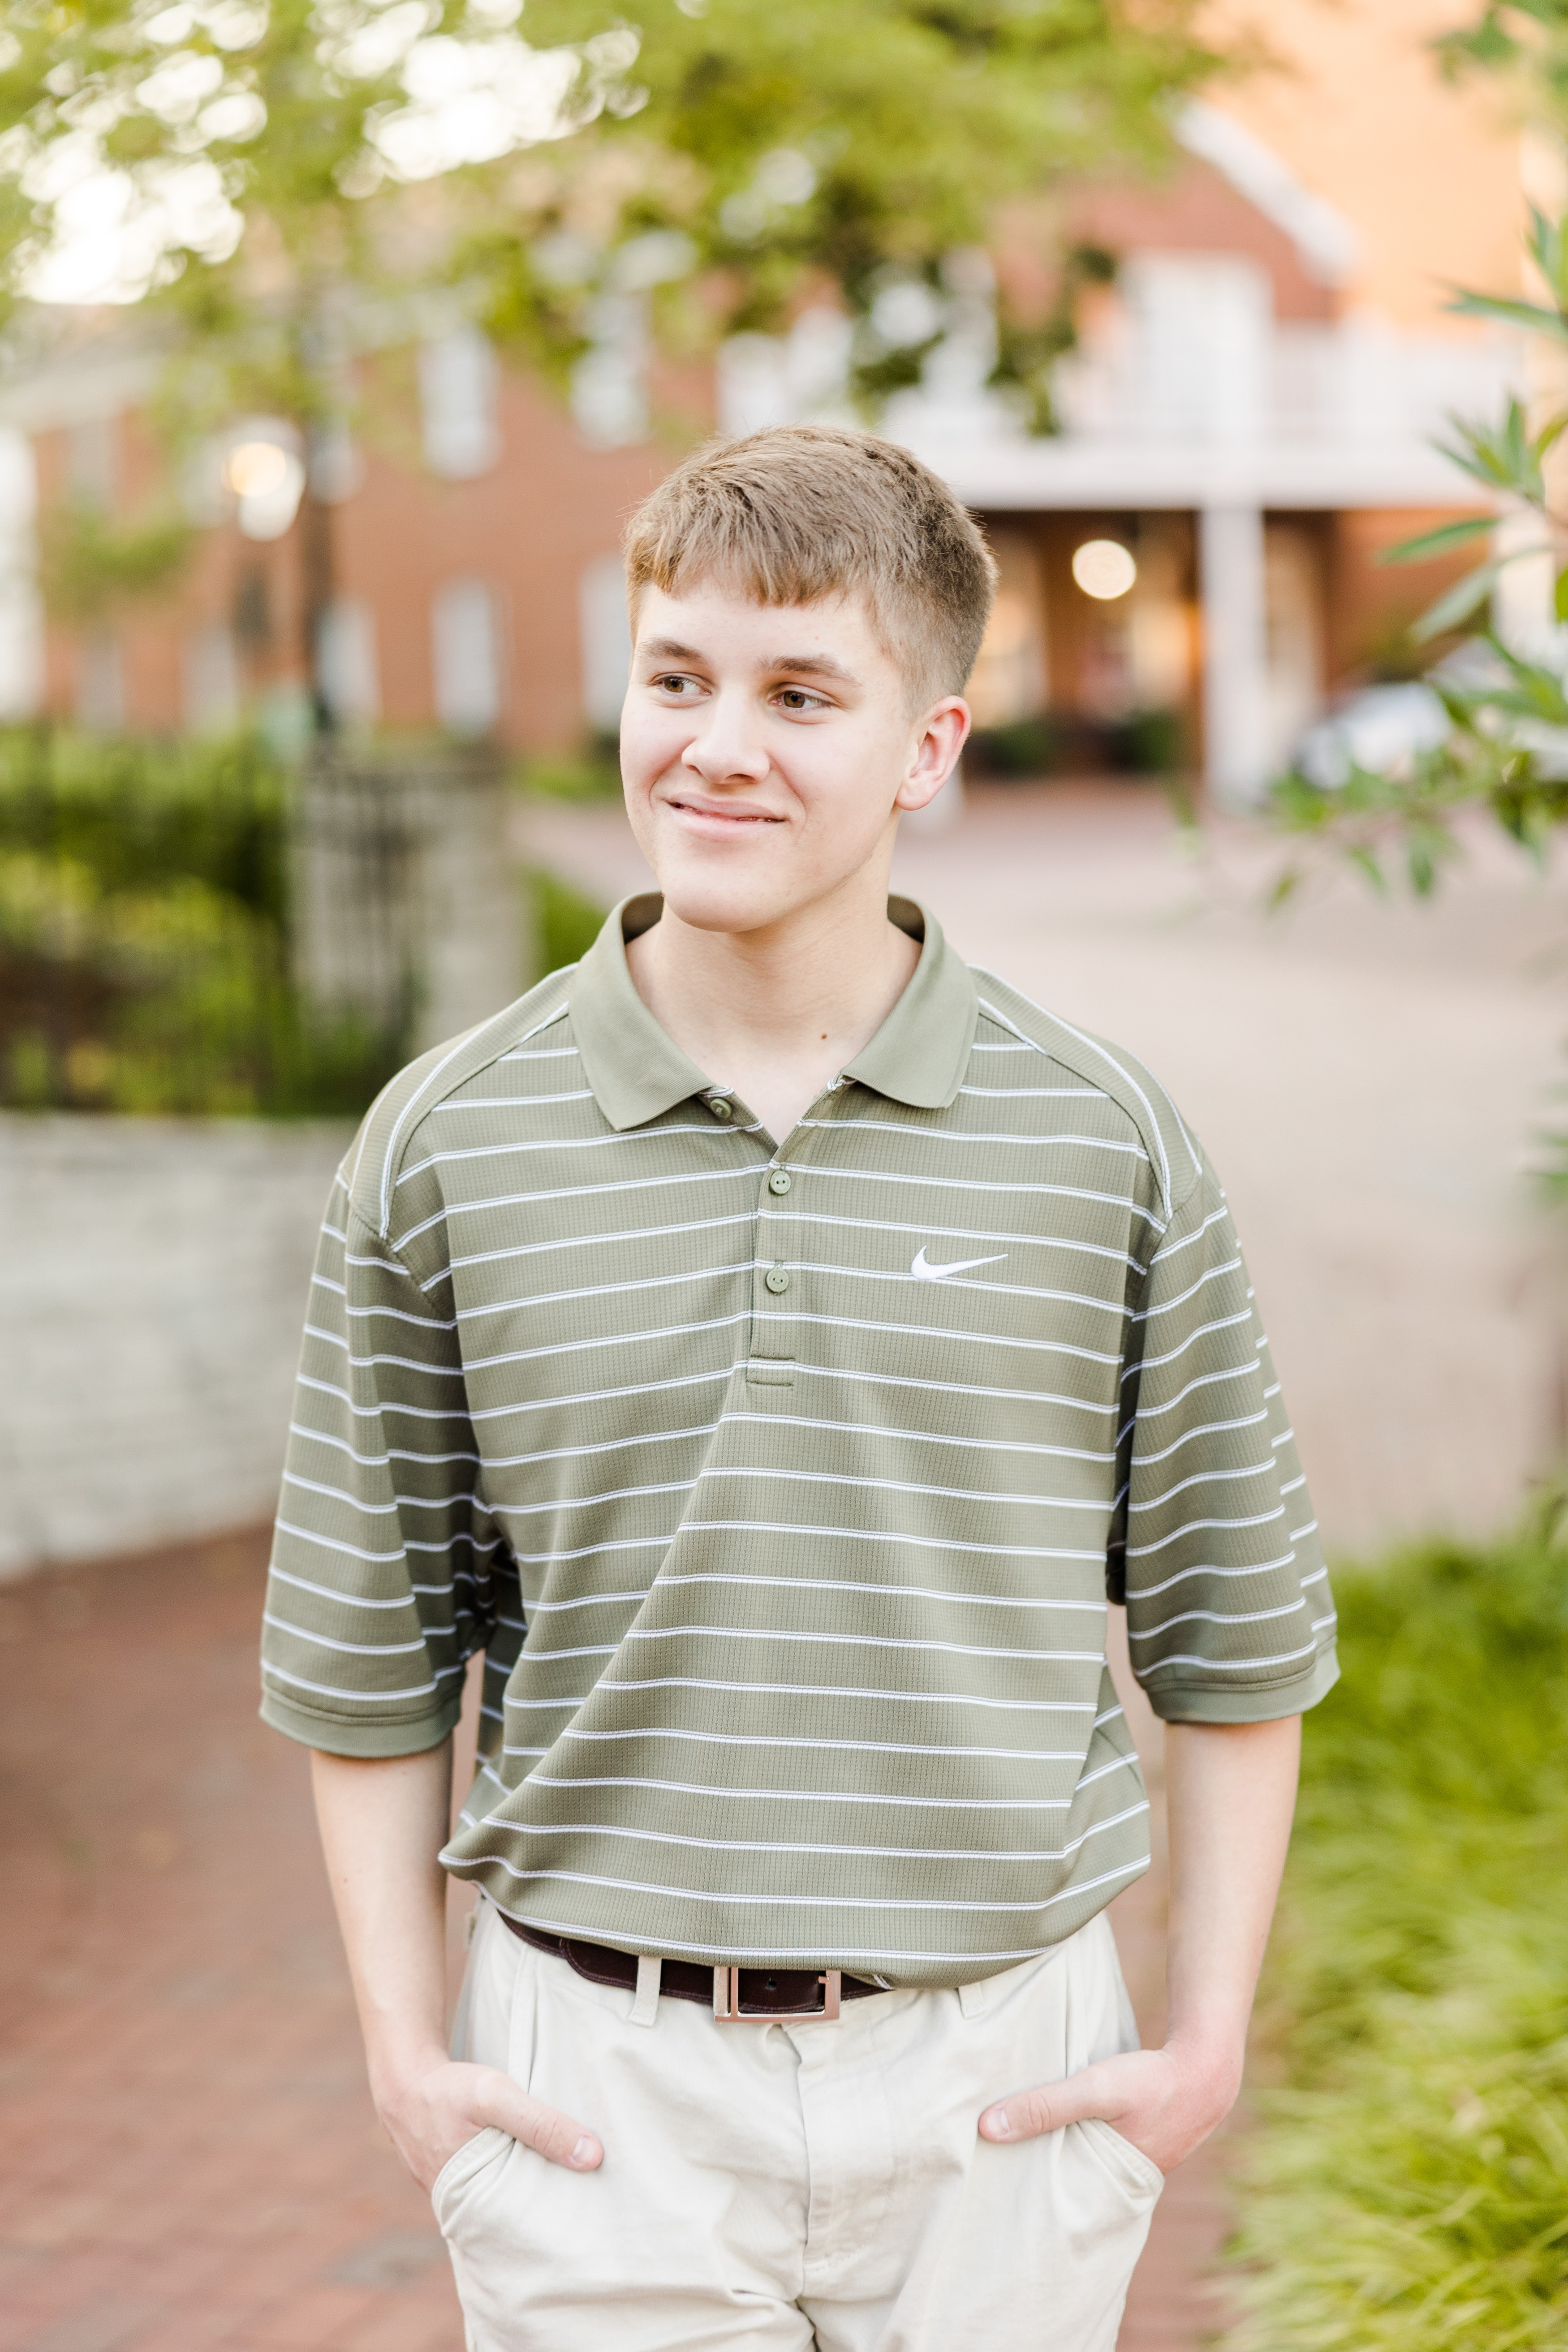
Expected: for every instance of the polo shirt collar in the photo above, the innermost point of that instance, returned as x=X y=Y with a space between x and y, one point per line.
x=637 y=1070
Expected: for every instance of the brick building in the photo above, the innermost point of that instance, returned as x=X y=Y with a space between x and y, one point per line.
x=1248 y=418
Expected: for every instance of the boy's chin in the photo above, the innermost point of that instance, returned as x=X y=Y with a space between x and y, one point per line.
x=709 y=904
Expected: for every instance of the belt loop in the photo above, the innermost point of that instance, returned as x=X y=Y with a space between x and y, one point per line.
x=644 y=2007
x=972 y=1999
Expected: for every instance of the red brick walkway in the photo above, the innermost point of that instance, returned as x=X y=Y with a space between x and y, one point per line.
x=187 y=2153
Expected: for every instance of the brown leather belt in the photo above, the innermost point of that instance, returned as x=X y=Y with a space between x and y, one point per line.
x=733 y=1994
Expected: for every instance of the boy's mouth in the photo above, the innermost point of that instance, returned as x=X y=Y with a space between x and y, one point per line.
x=723 y=816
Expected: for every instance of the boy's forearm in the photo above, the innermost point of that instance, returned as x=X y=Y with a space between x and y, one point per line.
x=1230 y=1794
x=383 y=1825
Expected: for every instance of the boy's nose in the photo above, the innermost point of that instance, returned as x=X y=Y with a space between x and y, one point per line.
x=727 y=746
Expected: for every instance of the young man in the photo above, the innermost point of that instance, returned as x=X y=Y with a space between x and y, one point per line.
x=773 y=1344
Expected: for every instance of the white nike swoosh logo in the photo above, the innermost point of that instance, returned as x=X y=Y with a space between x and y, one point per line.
x=924 y=1273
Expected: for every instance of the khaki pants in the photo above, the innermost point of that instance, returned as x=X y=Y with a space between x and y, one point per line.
x=772 y=2187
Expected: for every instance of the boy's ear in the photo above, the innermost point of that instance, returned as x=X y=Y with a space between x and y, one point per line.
x=942 y=734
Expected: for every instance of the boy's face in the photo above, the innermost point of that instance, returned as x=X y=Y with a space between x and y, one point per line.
x=767 y=751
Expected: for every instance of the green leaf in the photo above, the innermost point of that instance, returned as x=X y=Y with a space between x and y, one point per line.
x=1533 y=317
x=1457 y=603
x=1438 y=543
x=1560 y=596
x=1362 y=858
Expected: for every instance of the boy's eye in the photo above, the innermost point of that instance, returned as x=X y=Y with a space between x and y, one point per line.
x=672 y=685
x=796 y=698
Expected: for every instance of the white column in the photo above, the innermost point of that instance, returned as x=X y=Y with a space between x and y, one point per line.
x=1235 y=655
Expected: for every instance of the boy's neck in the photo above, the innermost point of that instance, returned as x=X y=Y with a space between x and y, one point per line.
x=776 y=1014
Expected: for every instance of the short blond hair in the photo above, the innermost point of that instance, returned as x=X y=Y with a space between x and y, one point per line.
x=803 y=512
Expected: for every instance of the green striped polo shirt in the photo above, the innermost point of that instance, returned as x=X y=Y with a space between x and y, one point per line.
x=784 y=1486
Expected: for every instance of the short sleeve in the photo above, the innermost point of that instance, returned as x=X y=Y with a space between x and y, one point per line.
x=1229 y=1618
x=381 y=1586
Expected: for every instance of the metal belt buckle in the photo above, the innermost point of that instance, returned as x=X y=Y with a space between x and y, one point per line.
x=727 y=2007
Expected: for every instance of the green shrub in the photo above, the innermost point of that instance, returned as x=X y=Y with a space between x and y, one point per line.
x=565 y=923
x=1406 y=2189
x=144 y=936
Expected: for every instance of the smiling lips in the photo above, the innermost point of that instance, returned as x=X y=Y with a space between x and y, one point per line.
x=707 y=813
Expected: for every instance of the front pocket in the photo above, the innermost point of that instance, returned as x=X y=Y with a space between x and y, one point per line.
x=454 y=2184
x=1137 y=2174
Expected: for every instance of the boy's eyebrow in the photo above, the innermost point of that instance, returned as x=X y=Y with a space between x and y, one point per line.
x=822 y=664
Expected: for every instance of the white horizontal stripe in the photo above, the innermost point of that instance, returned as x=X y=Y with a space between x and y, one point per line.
x=743 y=1579
x=1228 y=1666
x=591 y=1502
x=897 y=1486
x=1034 y=1094
x=724 y=1372
x=802 y=1369
x=401 y=1315
x=605 y=1444
x=545 y=1053
x=808 y=1796
x=1204 y=1478
x=688 y=1176
x=924 y=1134
x=377 y=1461
x=337 y=1495
x=924 y=1436
x=593 y=1240
x=706 y=1126
x=1205 y=1429
x=533 y=1355
x=935 y=1855
x=836 y=1271
x=587 y=1551
x=797 y=1902
x=903 y=1331
x=634 y=1287
x=1197 y=1527
x=881 y=1535
x=1204 y=1331
x=1170 y=1249
x=833 y=1691
x=854 y=1640
x=1169 y=1305
x=509 y=1102
x=933 y=1232
x=975 y=1184
x=329 y=1543
x=1206 y=1568
x=364 y=1698
x=1203 y=1381
x=359 y=1649
x=1217 y=1617
x=349 y=1600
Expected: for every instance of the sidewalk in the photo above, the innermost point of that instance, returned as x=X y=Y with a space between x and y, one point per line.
x=188 y=2157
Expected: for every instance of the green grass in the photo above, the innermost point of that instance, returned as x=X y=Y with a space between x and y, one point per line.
x=1406 y=2188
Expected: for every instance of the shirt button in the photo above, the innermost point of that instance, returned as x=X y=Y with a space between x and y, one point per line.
x=779 y=1180
x=776 y=1279
x=721 y=1107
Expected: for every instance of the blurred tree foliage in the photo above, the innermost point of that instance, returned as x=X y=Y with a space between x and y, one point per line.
x=290 y=177
x=1507 y=748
